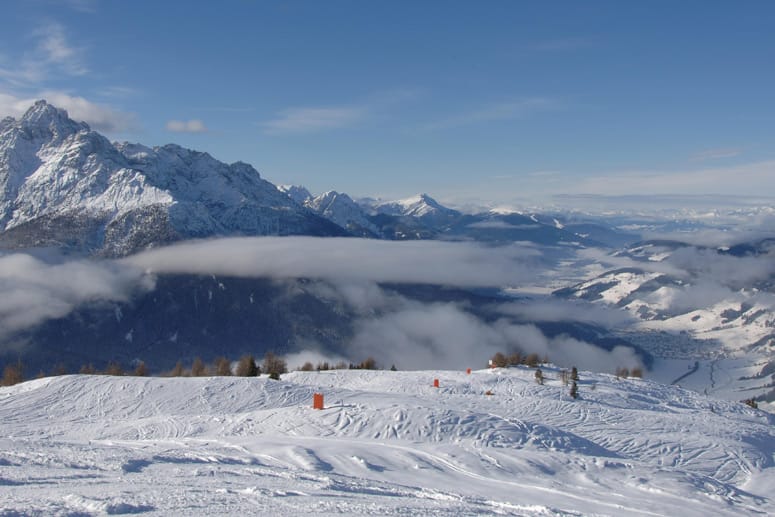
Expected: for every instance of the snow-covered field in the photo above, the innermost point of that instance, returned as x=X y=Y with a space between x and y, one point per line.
x=386 y=443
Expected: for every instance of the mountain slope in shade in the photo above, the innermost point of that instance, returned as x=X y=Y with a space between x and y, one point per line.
x=63 y=184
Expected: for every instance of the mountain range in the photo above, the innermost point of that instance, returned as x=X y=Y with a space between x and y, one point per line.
x=66 y=187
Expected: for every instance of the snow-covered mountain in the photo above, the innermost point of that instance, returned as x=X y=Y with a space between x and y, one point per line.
x=342 y=210
x=698 y=304
x=421 y=206
x=296 y=192
x=493 y=442
x=63 y=184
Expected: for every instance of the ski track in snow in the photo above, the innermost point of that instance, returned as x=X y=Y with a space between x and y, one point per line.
x=387 y=443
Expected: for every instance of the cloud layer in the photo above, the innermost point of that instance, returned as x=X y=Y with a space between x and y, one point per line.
x=32 y=291
x=388 y=326
x=346 y=259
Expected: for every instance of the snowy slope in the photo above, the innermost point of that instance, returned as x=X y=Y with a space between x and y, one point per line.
x=387 y=443
x=713 y=306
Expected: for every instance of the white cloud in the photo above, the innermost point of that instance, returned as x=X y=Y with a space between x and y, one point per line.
x=346 y=260
x=422 y=336
x=186 y=126
x=310 y=120
x=33 y=291
x=386 y=325
x=13 y=106
x=99 y=116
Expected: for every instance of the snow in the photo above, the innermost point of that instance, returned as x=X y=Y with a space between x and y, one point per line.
x=386 y=443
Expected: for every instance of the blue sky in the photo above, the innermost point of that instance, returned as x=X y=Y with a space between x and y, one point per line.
x=507 y=102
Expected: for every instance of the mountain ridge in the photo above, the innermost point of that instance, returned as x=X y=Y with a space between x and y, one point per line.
x=53 y=168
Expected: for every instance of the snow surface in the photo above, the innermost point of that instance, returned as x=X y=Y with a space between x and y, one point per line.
x=386 y=443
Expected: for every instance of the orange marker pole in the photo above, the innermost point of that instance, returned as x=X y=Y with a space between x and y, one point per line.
x=435 y=383
x=317 y=401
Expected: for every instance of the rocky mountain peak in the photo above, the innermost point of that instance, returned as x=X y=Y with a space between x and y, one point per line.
x=42 y=120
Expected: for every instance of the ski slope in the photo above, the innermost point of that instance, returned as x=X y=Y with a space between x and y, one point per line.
x=387 y=443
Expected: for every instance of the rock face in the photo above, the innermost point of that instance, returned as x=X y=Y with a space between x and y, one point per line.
x=62 y=184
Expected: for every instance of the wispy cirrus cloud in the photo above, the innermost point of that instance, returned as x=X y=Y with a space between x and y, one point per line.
x=52 y=53
x=186 y=126
x=508 y=110
x=314 y=119
x=717 y=154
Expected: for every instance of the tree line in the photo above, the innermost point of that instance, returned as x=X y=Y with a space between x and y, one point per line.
x=273 y=365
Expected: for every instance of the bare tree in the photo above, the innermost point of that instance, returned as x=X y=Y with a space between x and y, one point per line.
x=141 y=370
x=13 y=374
x=247 y=367
x=274 y=365
x=499 y=360
x=198 y=368
x=114 y=368
x=222 y=366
